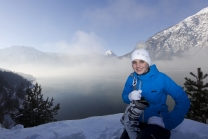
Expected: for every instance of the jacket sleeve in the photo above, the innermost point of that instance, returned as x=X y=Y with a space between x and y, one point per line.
x=127 y=89
x=182 y=104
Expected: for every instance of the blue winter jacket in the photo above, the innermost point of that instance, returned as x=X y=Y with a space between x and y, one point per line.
x=155 y=87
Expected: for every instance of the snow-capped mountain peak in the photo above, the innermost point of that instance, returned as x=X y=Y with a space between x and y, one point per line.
x=109 y=53
x=190 y=33
x=205 y=10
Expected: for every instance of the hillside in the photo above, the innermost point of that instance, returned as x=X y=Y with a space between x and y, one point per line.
x=11 y=95
x=190 y=33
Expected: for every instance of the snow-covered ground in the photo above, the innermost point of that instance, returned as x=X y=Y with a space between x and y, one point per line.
x=99 y=127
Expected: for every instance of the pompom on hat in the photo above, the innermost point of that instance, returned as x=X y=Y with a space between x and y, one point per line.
x=141 y=54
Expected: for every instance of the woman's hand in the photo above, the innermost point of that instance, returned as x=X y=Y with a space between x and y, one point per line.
x=135 y=95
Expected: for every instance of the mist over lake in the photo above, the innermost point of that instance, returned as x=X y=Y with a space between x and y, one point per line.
x=94 y=87
x=86 y=97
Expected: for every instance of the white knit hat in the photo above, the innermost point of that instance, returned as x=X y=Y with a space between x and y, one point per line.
x=141 y=54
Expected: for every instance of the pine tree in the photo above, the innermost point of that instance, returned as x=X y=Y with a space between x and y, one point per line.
x=36 y=110
x=198 y=94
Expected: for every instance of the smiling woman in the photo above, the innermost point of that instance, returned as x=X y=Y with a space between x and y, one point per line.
x=147 y=84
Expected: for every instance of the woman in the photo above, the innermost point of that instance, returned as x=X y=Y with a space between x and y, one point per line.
x=153 y=86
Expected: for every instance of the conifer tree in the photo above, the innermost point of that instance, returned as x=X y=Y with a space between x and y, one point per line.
x=36 y=110
x=198 y=94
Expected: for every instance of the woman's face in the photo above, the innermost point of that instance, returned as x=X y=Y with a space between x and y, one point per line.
x=140 y=66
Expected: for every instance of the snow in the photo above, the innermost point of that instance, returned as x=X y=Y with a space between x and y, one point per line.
x=190 y=33
x=203 y=11
x=108 y=53
x=99 y=127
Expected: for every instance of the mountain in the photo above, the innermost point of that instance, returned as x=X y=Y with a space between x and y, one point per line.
x=26 y=55
x=28 y=77
x=23 y=55
x=11 y=95
x=109 y=53
x=15 y=79
x=189 y=34
x=19 y=55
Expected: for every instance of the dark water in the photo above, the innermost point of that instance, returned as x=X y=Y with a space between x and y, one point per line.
x=85 y=97
x=82 y=97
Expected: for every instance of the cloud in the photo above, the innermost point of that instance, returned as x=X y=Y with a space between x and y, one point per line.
x=81 y=43
x=180 y=67
x=100 y=67
x=191 y=60
x=118 y=11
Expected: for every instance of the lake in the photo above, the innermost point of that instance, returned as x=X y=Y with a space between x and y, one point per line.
x=85 y=97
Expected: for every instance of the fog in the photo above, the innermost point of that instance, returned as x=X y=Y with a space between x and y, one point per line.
x=93 y=86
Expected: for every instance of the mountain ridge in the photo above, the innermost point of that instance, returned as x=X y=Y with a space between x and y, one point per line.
x=190 y=33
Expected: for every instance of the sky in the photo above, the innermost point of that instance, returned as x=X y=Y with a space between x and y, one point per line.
x=99 y=127
x=89 y=26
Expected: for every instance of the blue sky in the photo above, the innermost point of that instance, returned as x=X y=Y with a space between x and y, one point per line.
x=89 y=26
